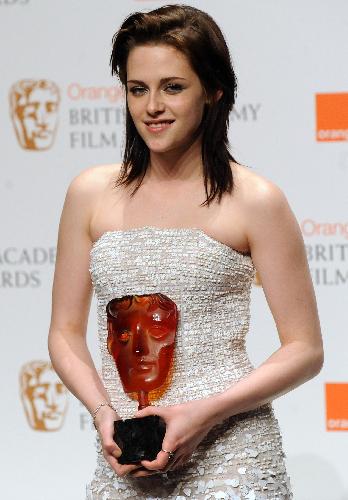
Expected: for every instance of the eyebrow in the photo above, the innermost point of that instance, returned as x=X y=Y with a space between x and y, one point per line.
x=162 y=80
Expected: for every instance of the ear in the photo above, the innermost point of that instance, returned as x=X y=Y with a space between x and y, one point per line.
x=219 y=94
x=215 y=98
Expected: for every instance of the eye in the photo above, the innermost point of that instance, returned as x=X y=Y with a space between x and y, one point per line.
x=136 y=90
x=174 y=87
x=51 y=107
x=158 y=332
x=124 y=336
x=60 y=388
x=40 y=391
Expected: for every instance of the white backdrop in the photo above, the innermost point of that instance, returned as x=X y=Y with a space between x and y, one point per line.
x=290 y=125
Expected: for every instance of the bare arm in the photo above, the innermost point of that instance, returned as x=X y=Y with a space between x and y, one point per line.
x=71 y=298
x=278 y=253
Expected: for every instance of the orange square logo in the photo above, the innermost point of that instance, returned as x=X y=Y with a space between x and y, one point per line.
x=332 y=117
x=336 y=407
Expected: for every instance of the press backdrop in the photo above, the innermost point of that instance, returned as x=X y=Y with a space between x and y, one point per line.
x=62 y=112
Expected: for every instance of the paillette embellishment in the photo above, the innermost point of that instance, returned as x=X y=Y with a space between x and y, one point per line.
x=241 y=458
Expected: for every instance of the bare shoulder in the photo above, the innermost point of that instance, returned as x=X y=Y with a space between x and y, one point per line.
x=256 y=191
x=93 y=181
x=85 y=193
x=266 y=216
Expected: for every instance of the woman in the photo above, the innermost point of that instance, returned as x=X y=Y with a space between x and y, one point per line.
x=185 y=219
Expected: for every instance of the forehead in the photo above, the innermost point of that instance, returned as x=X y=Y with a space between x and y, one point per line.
x=144 y=306
x=46 y=376
x=146 y=62
x=42 y=95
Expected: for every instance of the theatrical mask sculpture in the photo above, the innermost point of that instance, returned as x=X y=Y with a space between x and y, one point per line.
x=141 y=337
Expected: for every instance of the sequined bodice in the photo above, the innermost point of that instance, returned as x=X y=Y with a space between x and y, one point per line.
x=241 y=458
x=210 y=283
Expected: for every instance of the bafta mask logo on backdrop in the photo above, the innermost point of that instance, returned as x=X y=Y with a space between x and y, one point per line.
x=257 y=279
x=336 y=395
x=44 y=396
x=332 y=117
x=34 y=106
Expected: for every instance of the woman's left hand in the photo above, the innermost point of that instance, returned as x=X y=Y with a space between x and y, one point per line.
x=187 y=424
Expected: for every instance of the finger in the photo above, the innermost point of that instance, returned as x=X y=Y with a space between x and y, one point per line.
x=149 y=410
x=171 y=463
x=111 y=448
x=143 y=473
x=159 y=463
x=112 y=462
x=121 y=469
x=109 y=444
x=125 y=469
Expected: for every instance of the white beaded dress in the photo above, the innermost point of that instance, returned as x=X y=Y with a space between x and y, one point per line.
x=241 y=458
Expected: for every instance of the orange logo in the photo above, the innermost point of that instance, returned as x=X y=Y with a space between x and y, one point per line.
x=34 y=112
x=332 y=117
x=336 y=407
x=43 y=395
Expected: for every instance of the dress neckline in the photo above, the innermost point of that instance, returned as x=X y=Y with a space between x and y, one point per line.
x=173 y=230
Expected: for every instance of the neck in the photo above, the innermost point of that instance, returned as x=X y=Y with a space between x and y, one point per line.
x=179 y=165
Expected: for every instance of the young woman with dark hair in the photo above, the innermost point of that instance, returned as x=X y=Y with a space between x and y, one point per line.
x=181 y=217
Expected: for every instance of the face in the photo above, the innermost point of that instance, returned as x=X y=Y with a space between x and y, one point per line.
x=141 y=335
x=162 y=87
x=37 y=119
x=45 y=400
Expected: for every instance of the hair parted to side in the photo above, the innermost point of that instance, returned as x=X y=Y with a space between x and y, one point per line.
x=199 y=38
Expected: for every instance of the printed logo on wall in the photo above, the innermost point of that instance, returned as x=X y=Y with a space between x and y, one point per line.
x=336 y=406
x=327 y=253
x=34 y=108
x=44 y=396
x=245 y=112
x=26 y=267
x=13 y=2
x=257 y=279
x=332 y=117
x=96 y=116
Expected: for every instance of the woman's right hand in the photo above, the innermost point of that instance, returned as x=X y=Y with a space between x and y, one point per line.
x=104 y=422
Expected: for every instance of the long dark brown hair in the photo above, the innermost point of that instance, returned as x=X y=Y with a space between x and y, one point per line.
x=199 y=38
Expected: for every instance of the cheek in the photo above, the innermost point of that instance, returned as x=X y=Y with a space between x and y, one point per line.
x=191 y=110
x=123 y=353
x=134 y=106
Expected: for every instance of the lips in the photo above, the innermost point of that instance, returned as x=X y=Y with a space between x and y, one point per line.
x=159 y=126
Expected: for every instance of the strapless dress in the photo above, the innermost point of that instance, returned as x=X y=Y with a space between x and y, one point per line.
x=242 y=457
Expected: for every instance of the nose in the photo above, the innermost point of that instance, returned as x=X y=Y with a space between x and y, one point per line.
x=51 y=399
x=155 y=103
x=41 y=115
x=140 y=346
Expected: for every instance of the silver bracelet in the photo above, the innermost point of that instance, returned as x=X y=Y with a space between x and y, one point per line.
x=105 y=403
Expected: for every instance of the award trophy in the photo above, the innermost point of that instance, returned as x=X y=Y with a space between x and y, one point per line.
x=141 y=336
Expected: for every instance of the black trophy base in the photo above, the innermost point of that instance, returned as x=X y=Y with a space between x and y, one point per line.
x=139 y=438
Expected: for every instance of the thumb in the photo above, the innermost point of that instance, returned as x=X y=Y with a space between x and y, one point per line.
x=149 y=410
x=117 y=452
x=111 y=447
